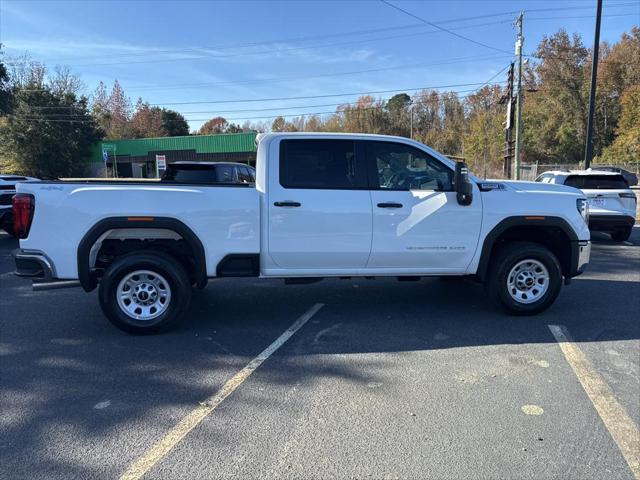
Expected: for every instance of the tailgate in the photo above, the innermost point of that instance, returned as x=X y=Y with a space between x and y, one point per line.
x=611 y=202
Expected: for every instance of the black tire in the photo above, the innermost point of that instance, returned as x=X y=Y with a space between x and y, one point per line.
x=622 y=234
x=159 y=263
x=506 y=259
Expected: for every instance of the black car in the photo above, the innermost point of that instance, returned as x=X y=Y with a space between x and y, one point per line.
x=208 y=173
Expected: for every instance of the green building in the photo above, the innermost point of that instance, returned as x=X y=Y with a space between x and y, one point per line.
x=137 y=158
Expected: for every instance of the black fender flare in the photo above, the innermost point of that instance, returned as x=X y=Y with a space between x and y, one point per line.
x=529 y=221
x=88 y=280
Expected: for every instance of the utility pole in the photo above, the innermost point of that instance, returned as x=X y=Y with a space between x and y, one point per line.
x=508 y=98
x=519 y=45
x=588 y=151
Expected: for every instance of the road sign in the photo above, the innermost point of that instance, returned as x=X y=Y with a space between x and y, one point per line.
x=161 y=160
x=105 y=156
x=161 y=164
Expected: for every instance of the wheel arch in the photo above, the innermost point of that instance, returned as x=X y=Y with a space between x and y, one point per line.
x=554 y=233
x=88 y=279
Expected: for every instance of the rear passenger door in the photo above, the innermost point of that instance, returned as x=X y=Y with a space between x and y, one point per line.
x=319 y=206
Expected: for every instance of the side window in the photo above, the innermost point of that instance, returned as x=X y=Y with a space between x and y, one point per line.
x=244 y=175
x=321 y=164
x=252 y=174
x=403 y=167
x=545 y=178
x=225 y=174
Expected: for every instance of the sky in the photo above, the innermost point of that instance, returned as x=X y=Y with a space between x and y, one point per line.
x=245 y=60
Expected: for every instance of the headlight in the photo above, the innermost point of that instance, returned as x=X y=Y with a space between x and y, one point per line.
x=583 y=208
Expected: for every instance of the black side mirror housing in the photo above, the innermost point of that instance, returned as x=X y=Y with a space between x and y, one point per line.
x=464 y=187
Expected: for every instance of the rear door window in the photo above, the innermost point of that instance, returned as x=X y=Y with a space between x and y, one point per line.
x=321 y=164
x=597 y=182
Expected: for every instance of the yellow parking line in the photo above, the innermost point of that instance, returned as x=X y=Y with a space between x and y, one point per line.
x=142 y=465
x=621 y=427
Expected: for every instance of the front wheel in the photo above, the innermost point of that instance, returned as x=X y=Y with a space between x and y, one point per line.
x=525 y=278
x=144 y=292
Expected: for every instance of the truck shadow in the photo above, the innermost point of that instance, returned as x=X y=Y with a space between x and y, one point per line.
x=81 y=399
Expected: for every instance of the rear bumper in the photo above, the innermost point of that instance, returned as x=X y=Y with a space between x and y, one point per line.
x=610 y=222
x=33 y=264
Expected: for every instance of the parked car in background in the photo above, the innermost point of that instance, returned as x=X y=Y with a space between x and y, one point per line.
x=612 y=204
x=209 y=173
x=7 y=191
x=631 y=178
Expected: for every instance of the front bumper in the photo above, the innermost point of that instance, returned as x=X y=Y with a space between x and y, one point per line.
x=34 y=264
x=610 y=222
x=580 y=255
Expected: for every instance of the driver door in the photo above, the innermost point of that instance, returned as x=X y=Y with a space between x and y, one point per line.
x=418 y=224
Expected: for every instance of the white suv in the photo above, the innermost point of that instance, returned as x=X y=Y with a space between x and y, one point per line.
x=612 y=204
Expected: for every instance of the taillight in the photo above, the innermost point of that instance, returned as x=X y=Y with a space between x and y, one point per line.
x=23 y=207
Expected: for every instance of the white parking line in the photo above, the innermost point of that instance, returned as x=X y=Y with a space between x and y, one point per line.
x=142 y=465
x=621 y=427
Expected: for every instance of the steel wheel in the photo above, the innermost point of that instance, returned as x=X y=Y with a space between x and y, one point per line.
x=528 y=281
x=143 y=295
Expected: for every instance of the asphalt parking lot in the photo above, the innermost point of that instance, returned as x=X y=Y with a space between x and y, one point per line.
x=382 y=380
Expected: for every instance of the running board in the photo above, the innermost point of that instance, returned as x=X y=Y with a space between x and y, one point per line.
x=38 y=286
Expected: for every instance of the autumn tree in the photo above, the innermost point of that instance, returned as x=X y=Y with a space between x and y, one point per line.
x=626 y=146
x=213 y=126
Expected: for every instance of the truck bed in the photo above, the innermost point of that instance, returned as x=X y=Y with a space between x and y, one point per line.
x=226 y=217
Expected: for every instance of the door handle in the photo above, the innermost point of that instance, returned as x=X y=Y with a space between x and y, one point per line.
x=390 y=205
x=287 y=204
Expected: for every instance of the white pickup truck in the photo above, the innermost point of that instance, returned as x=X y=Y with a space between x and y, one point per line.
x=323 y=205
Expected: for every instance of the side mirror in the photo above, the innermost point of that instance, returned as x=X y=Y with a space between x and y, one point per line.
x=464 y=187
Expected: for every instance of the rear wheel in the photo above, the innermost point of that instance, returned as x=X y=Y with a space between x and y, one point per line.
x=525 y=278
x=144 y=292
x=622 y=234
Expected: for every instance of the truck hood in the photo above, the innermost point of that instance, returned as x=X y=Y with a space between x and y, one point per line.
x=538 y=187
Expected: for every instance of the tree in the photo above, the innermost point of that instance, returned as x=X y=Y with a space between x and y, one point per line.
x=278 y=125
x=43 y=138
x=213 y=126
x=174 y=123
x=119 y=107
x=626 y=146
x=100 y=107
x=5 y=89
x=398 y=107
x=554 y=117
x=147 y=121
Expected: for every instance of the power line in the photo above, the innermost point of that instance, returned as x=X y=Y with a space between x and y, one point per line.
x=77 y=118
x=316 y=96
x=296 y=107
x=442 y=28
